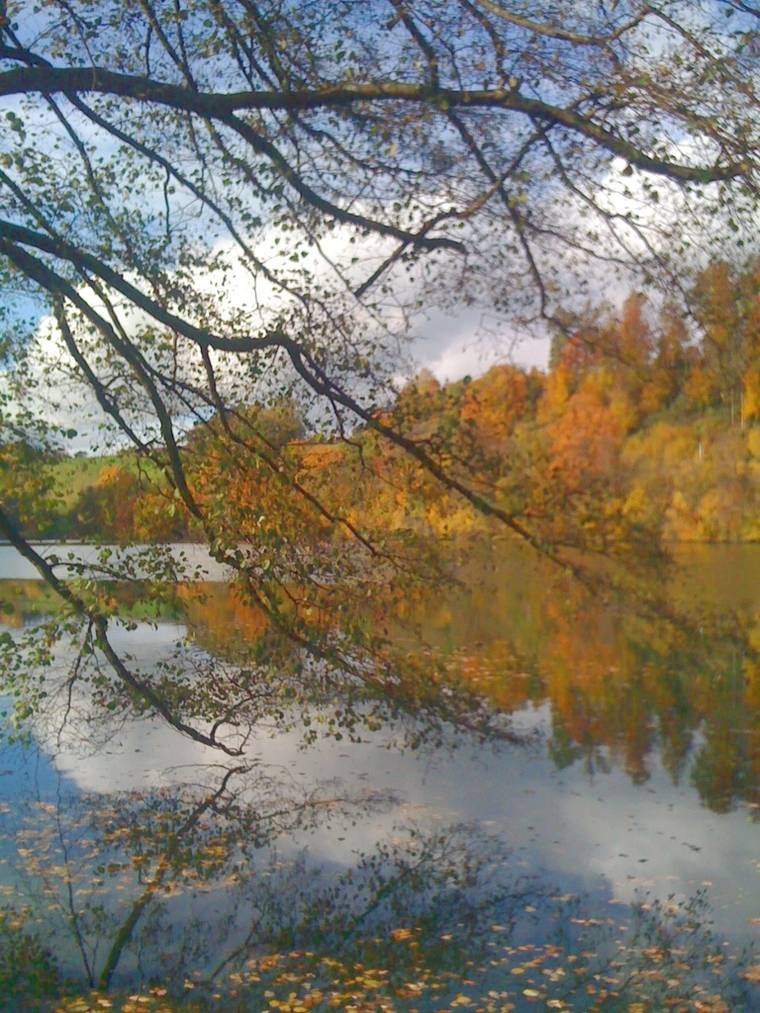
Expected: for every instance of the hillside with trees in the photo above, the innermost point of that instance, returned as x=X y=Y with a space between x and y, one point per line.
x=646 y=425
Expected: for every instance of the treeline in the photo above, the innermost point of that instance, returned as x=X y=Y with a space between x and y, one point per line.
x=646 y=424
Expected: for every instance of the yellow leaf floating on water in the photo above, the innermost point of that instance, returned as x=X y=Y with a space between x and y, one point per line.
x=399 y=935
x=752 y=973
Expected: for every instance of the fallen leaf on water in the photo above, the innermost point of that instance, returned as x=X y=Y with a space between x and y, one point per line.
x=399 y=935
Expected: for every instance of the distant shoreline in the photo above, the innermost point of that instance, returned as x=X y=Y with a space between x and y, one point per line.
x=74 y=542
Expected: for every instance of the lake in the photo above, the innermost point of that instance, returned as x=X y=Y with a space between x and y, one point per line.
x=604 y=852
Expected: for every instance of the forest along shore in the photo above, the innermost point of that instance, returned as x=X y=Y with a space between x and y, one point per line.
x=637 y=417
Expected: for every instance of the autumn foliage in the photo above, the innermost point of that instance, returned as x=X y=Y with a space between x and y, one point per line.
x=645 y=426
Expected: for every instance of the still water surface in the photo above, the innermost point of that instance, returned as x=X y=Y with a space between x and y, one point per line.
x=637 y=778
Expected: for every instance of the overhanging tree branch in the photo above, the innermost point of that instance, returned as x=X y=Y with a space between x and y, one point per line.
x=223 y=107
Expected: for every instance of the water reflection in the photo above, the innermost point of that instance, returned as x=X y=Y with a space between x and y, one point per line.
x=109 y=875
x=346 y=872
x=623 y=688
x=185 y=886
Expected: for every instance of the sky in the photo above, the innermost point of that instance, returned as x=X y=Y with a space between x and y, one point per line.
x=452 y=340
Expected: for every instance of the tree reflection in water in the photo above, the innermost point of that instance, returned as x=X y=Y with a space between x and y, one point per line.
x=623 y=684
x=196 y=889
x=182 y=894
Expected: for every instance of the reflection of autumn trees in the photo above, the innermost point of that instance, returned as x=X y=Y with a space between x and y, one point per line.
x=231 y=671
x=619 y=683
x=220 y=620
x=21 y=601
